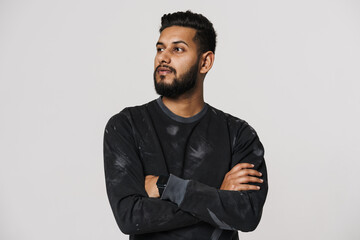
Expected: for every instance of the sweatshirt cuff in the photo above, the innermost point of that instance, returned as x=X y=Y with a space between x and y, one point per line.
x=175 y=189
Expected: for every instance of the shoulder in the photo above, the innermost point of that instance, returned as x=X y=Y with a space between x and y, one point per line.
x=240 y=131
x=234 y=123
x=130 y=114
x=125 y=123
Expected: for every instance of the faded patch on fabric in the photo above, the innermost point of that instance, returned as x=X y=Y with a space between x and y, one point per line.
x=197 y=153
x=218 y=222
x=121 y=161
x=172 y=130
x=200 y=150
x=216 y=234
x=258 y=151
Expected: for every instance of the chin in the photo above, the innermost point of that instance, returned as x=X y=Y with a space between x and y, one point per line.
x=165 y=80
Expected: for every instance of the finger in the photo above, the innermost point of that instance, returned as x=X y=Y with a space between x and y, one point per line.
x=149 y=176
x=248 y=179
x=240 y=166
x=246 y=187
x=245 y=172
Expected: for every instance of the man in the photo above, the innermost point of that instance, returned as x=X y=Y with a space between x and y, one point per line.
x=176 y=167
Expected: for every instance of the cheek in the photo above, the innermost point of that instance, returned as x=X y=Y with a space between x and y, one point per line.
x=186 y=66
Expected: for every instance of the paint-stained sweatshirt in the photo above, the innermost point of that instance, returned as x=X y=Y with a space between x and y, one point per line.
x=195 y=153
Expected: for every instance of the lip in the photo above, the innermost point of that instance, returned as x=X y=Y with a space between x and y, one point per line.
x=164 y=70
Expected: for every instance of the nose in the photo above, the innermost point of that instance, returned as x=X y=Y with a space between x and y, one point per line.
x=164 y=57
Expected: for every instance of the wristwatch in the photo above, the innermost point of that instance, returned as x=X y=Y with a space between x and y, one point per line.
x=161 y=183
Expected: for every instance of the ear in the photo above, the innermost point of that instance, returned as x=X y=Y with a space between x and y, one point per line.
x=206 y=62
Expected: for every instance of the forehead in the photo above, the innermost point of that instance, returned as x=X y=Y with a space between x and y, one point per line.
x=177 y=33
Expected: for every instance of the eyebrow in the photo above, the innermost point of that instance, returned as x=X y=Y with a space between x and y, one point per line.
x=176 y=42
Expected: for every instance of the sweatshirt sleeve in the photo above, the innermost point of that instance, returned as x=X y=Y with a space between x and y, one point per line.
x=229 y=210
x=134 y=211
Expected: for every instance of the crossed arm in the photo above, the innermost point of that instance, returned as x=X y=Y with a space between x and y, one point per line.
x=137 y=208
x=237 y=179
x=232 y=207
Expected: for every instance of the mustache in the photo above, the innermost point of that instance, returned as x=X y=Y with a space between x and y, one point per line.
x=165 y=66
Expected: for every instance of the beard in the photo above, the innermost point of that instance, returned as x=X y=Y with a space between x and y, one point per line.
x=180 y=85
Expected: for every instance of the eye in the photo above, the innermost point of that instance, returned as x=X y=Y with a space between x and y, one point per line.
x=159 y=49
x=178 y=49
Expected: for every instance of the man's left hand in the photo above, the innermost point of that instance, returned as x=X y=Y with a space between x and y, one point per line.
x=150 y=186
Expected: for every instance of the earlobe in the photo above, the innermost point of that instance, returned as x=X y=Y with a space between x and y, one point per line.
x=207 y=61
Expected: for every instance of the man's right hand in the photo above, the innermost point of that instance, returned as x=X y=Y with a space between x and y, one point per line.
x=238 y=177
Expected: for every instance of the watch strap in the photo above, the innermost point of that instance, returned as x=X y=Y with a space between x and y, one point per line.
x=161 y=183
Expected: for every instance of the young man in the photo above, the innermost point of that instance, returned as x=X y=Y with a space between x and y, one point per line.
x=176 y=167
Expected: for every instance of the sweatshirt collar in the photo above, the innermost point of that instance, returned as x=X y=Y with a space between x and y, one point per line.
x=178 y=118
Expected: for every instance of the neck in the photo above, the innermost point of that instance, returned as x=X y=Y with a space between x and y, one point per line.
x=186 y=105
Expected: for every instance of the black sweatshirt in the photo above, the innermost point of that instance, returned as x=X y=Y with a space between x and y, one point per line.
x=196 y=153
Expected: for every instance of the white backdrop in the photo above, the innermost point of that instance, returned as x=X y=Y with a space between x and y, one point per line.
x=289 y=68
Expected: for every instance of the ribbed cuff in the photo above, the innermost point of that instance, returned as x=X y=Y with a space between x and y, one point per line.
x=175 y=189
